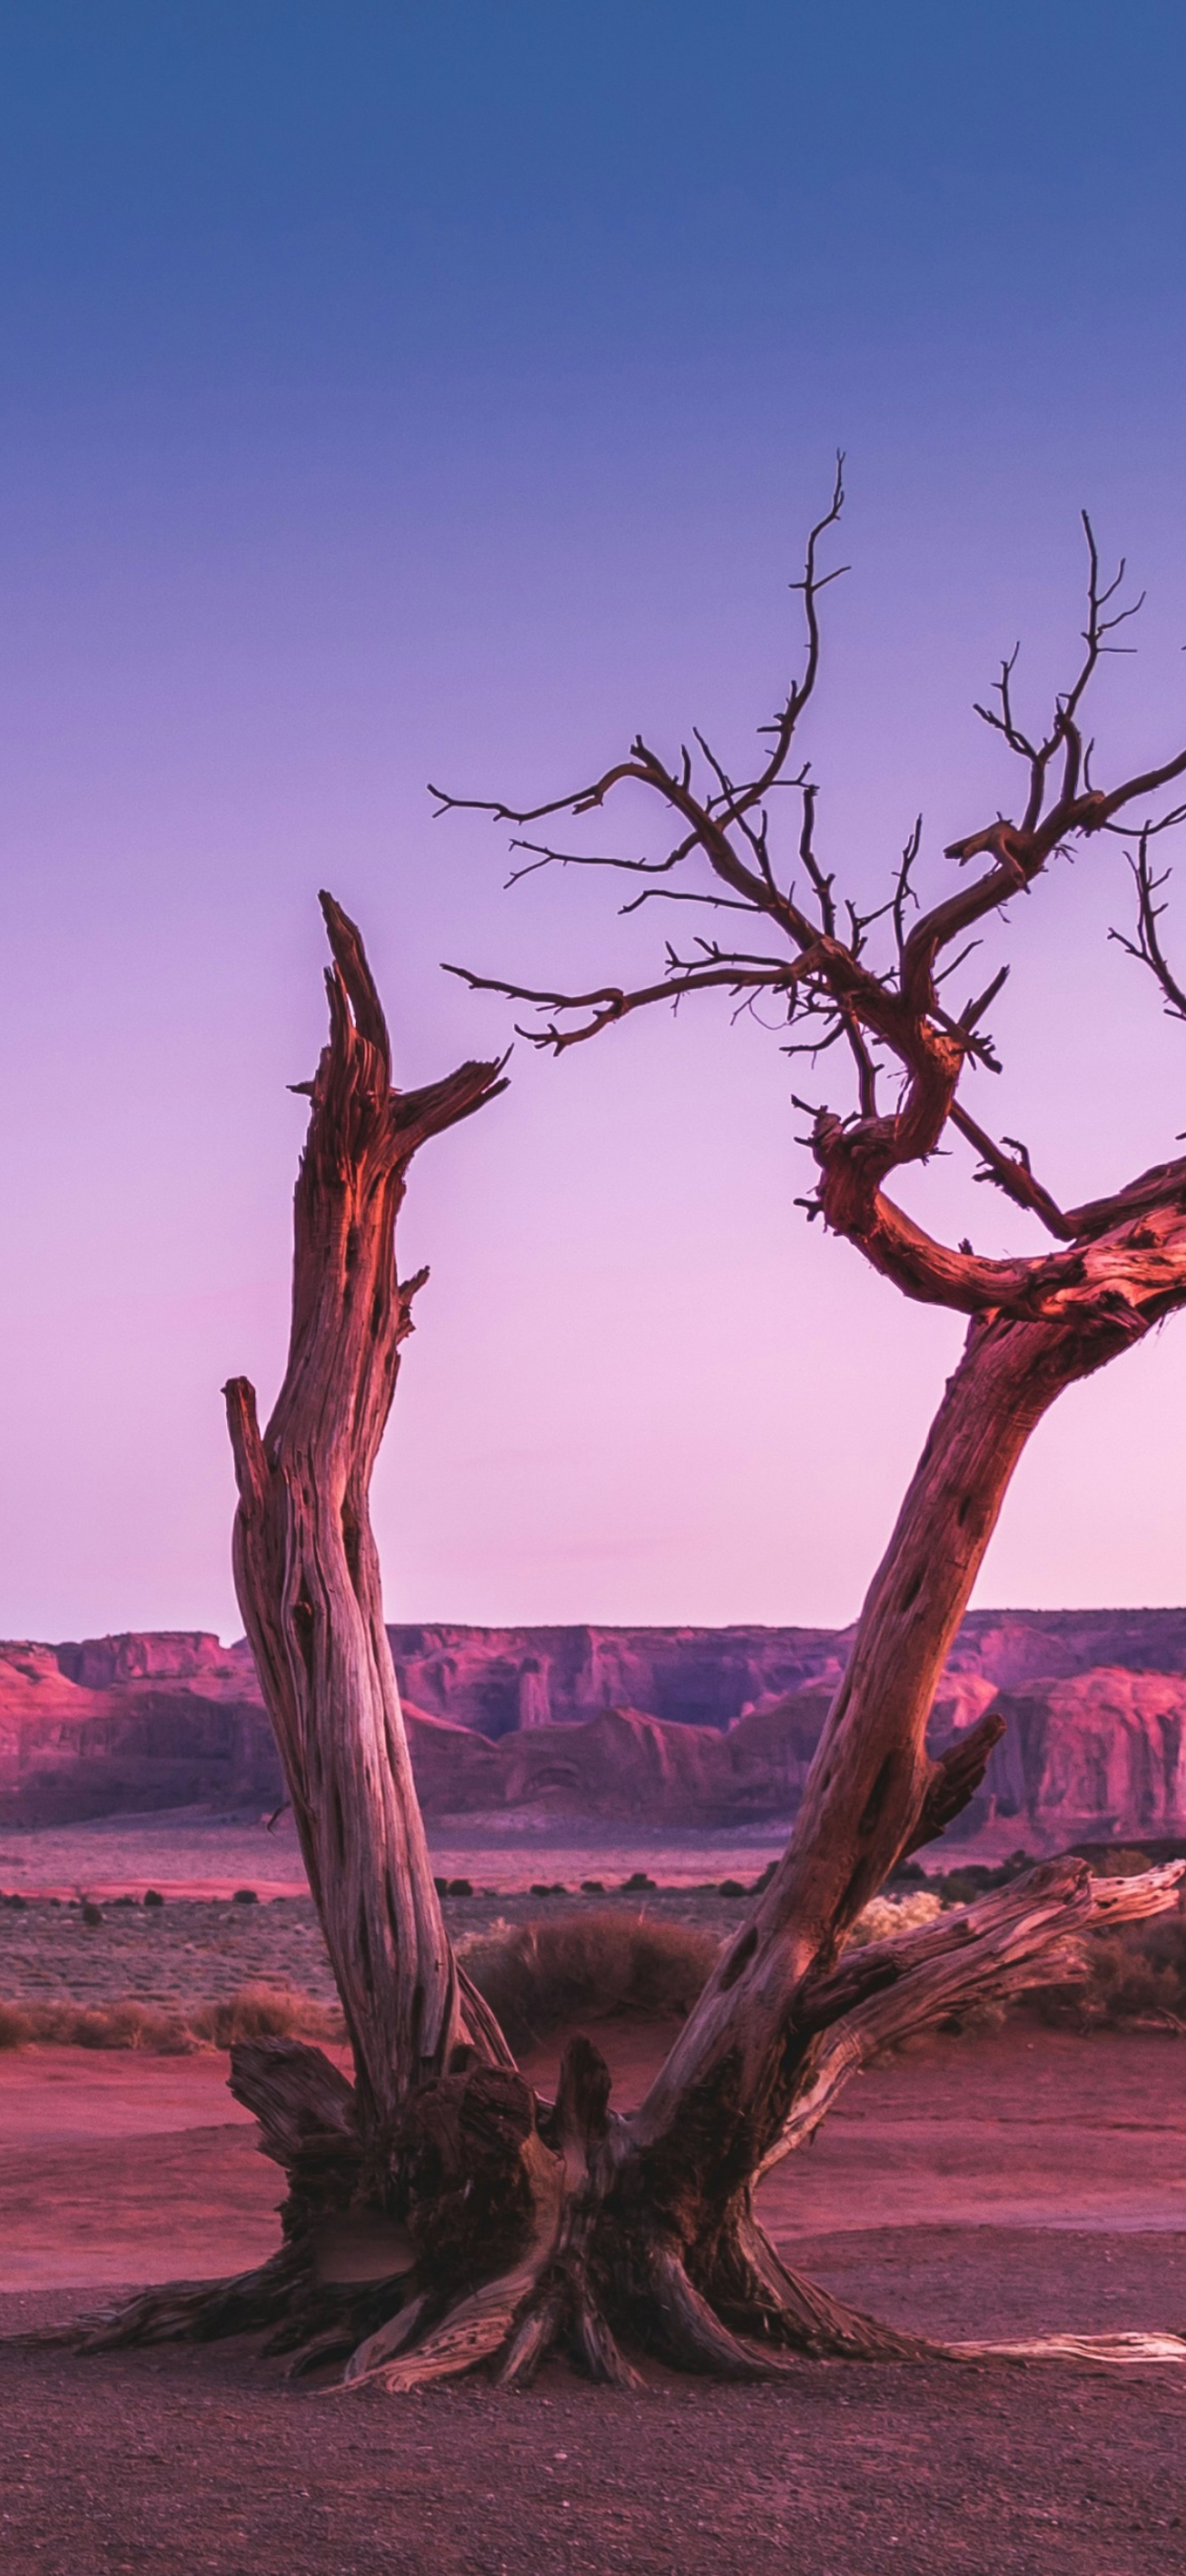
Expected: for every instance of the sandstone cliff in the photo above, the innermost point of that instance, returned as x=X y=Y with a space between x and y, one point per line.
x=650 y=1726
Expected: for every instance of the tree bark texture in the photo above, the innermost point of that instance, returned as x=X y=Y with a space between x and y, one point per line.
x=872 y=1783
x=509 y=2225
x=306 y=1567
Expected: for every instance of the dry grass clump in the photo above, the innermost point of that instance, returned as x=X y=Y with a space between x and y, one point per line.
x=69 y=2025
x=542 y=1977
x=265 y=2012
x=16 y=2026
x=1135 y=1974
x=255 y=2012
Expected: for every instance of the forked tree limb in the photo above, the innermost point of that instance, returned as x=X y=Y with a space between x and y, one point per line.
x=888 y=1991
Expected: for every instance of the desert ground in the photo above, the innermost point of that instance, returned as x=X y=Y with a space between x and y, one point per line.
x=1002 y=2184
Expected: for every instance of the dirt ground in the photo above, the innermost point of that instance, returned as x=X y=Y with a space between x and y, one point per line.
x=994 y=2187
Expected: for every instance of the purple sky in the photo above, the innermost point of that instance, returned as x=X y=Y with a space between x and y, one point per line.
x=393 y=394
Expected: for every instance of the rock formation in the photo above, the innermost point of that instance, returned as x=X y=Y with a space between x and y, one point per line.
x=501 y=1680
x=120 y=1724
x=658 y=1727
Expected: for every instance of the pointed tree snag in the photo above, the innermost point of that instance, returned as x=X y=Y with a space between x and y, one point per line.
x=306 y=1568
x=507 y=2226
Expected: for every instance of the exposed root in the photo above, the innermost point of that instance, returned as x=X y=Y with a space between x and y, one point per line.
x=196 y=2311
x=1109 y=2349
x=480 y=2324
x=532 y=2340
x=760 y=2296
x=474 y=2331
x=691 y=2334
x=594 y=2346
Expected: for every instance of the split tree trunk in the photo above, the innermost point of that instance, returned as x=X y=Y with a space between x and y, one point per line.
x=514 y=2225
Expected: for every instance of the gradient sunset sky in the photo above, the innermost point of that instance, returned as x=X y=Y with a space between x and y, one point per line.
x=443 y=392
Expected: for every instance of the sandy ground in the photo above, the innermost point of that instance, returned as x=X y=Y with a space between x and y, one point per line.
x=1009 y=2184
x=186 y=2461
x=117 y=2166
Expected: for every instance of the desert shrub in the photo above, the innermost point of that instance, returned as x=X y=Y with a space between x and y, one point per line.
x=255 y=2012
x=969 y=1879
x=263 y=2012
x=153 y=1896
x=1135 y=1973
x=542 y=1977
x=120 y=2025
x=245 y=1896
x=885 y=1915
x=69 y=2025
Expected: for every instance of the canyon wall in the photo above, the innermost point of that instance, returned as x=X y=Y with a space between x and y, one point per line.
x=651 y=1726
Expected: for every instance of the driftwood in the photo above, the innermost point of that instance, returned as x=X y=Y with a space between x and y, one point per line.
x=508 y=2226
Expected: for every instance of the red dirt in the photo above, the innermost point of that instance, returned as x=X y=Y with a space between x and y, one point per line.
x=994 y=2187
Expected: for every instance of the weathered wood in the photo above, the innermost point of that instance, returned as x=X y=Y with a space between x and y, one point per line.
x=871 y=1779
x=306 y=1567
x=1028 y=1934
x=296 y=2094
x=197 y=2311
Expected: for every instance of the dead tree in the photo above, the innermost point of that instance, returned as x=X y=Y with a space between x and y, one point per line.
x=503 y=2226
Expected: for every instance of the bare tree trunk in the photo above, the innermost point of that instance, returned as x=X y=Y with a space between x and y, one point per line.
x=509 y=2225
x=872 y=1793
x=306 y=1568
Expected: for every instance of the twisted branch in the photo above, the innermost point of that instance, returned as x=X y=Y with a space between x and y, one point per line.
x=832 y=987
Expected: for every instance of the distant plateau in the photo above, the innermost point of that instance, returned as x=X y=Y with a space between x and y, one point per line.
x=656 y=1727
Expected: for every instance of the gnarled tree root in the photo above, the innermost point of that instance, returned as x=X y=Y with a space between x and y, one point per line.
x=580 y=2275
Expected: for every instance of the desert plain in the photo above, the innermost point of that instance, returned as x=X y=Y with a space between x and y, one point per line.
x=1003 y=2183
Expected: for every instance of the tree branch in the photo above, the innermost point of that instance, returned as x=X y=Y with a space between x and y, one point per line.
x=956 y=1777
x=887 y=1991
x=833 y=986
x=1147 y=946
x=609 y=1002
x=1012 y=1174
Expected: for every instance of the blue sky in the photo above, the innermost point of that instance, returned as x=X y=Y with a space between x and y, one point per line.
x=390 y=393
